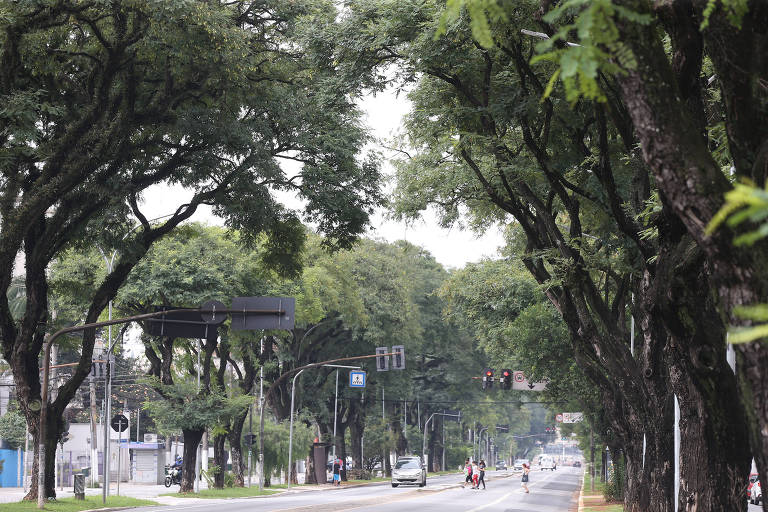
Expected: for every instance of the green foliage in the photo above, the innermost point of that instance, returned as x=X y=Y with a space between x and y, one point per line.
x=481 y=14
x=276 y=435
x=185 y=408
x=599 y=49
x=614 y=487
x=735 y=10
x=13 y=427
x=746 y=203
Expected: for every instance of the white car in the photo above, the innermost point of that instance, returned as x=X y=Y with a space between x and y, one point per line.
x=409 y=470
x=756 y=493
x=547 y=462
x=519 y=464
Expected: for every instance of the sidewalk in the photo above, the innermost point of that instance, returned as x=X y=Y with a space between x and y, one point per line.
x=154 y=492
x=594 y=501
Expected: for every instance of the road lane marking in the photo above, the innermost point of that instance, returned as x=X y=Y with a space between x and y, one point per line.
x=481 y=507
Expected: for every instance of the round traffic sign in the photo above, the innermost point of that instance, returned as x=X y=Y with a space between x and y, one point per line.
x=119 y=423
x=211 y=312
x=559 y=418
x=519 y=377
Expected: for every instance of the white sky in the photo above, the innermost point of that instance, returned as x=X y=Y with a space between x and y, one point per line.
x=451 y=247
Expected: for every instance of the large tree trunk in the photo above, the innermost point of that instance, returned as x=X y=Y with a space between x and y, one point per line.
x=238 y=459
x=659 y=98
x=715 y=456
x=191 y=441
x=220 y=459
x=356 y=431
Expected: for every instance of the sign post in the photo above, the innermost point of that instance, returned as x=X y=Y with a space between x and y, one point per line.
x=119 y=423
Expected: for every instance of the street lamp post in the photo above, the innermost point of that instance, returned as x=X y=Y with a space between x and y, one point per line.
x=107 y=374
x=290 y=429
x=424 y=437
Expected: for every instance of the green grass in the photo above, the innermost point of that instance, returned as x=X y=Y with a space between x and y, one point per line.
x=73 y=505
x=227 y=492
x=375 y=479
x=599 y=486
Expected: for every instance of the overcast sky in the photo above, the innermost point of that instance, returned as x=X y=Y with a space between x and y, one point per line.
x=452 y=248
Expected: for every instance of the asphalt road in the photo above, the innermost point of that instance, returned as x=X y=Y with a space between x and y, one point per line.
x=550 y=492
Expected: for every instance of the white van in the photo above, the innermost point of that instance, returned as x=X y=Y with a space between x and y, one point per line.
x=547 y=462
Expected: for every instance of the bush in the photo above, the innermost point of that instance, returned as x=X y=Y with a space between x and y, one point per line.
x=614 y=487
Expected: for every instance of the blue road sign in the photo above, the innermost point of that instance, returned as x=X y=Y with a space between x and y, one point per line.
x=356 y=379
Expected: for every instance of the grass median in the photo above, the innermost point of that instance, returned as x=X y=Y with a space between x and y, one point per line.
x=227 y=492
x=595 y=501
x=73 y=505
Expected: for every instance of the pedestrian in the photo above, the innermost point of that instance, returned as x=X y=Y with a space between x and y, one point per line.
x=481 y=467
x=337 y=471
x=467 y=473
x=526 y=470
x=475 y=475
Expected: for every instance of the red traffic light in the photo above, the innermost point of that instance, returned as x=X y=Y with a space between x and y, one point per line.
x=489 y=373
x=506 y=373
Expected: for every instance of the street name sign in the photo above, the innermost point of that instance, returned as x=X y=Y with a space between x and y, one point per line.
x=273 y=313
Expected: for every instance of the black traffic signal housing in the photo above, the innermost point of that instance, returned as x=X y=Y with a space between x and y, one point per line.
x=488 y=378
x=398 y=359
x=505 y=379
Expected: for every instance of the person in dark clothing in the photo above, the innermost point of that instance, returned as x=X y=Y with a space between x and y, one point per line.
x=337 y=472
x=481 y=467
x=467 y=473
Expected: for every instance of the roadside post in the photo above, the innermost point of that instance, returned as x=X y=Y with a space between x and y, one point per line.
x=424 y=437
x=293 y=393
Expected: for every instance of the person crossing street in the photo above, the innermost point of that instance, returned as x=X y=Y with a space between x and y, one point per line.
x=526 y=471
x=481 y=479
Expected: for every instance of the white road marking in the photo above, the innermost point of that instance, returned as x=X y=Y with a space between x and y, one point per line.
x=481 y=507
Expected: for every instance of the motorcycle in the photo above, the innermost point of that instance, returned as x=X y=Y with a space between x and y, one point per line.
x=172 y=475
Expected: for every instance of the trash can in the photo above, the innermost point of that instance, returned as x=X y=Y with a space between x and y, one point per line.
x=79 y=486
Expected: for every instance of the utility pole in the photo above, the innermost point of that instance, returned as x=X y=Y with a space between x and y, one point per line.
x=94 y=431
x=442 y=462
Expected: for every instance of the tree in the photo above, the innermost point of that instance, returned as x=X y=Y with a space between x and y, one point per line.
x=488 y=135
x=13 y=428
x=105 y=100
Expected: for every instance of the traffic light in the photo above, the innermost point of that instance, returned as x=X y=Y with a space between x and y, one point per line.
x=398 y=360
x=505 y=380
x=64 y=437
x=382 y=361
x=488 y=378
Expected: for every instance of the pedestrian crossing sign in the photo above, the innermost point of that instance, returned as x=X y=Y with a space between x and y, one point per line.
x=357 y=379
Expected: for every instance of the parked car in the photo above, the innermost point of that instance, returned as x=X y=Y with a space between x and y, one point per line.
x=409 y=470
x=756 y=493
x=501 y=465
x=752 y=480
x=577 y=464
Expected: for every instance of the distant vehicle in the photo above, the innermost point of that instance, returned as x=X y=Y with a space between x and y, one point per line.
x=501 y=465
x=752 y=480
x=577 y=464
x=519 y=464
x=409 y=470
x=756 y=493
x=547 y=462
